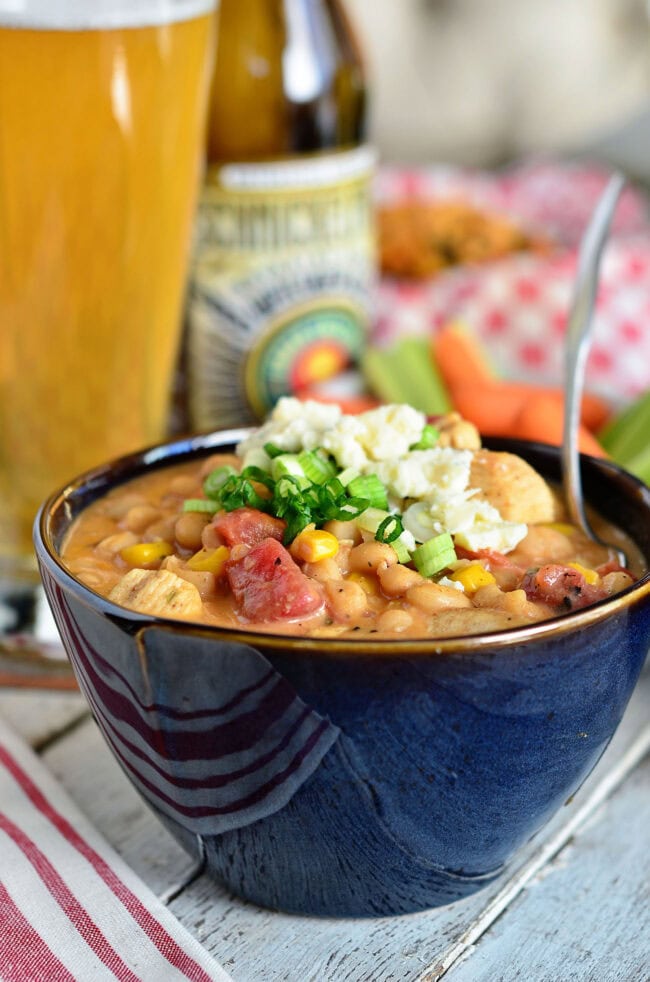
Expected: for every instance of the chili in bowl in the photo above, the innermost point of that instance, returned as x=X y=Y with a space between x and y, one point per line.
x=378 y=692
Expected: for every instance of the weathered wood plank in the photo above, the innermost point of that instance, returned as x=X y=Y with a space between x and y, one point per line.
x=588 y=915
x=255 y=944
x=543 y=859
x=94 y=780
x=38 y=716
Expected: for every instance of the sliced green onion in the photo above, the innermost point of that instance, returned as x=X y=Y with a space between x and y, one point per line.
x=329 y=501
x=272 y=451
x=419 y=521
x=295 y=525
x=256 y=457
x=259 y=475
x=336 y=488
x=401 y=551
x=288 y=487
x=216 y=479
x=428 y=438
x=347 y=475
x=200 y=504
x=390 y=529
x=287 y=465
x=351 y=508
x=371 y=519
x=435 y=554
x=369 y=486
x=238 y=492
x=316 y=468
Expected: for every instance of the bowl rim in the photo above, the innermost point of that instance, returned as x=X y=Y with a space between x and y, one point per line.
x=122 y=469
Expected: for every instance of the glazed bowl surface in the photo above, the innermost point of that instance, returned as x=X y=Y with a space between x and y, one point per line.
x=352 y=778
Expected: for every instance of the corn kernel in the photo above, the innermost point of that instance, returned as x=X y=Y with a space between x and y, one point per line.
x=590 y=575
x=562 y=527
x=145 y=553
x=209 y=560
x=472 y=577
x=312 y=545
x=368 y=585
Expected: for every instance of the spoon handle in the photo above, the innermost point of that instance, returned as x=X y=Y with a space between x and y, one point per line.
x=578 y=342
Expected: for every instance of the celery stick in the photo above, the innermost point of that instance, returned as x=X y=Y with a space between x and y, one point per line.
x=383 y=381
x=404 y=373
x=640 y=465
x=427 y=390
x=628 y=435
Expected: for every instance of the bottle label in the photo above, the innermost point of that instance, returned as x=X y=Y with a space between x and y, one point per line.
x=281 y=281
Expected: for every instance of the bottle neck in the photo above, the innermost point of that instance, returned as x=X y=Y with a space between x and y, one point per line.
x=288 y=80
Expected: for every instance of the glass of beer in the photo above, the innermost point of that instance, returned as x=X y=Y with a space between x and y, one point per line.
x=102 y=116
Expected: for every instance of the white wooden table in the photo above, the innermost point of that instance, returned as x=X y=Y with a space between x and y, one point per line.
x=575 y=906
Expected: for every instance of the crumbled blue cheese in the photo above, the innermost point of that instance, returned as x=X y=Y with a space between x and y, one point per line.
x=381 y=434
x=378 y=442
x=293 y=426
x=476 y=524
x=497 y=537
x=438 y=473
x=454 y=584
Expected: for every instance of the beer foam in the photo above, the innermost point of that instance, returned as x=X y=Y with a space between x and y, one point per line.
x=93 y=15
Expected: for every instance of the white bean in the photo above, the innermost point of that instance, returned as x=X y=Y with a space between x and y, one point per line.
x=431 y=597
x=394 y=619
x=370 y=556
x=397 y=579
x=347 y=600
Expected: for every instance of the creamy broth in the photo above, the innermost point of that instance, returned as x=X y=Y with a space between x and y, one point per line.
x=230 y=569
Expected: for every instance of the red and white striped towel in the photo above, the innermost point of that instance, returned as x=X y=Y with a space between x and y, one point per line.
x=70 y=909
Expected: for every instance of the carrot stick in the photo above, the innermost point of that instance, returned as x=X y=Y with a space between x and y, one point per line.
x=541 y=418
x=594 y=411
x=484 y=399
x=493 y=407
x=459 y=356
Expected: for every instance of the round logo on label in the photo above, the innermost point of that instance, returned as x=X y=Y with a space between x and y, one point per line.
x=306 y=346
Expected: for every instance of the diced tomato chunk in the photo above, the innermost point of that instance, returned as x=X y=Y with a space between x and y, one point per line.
x=561 y=586
x=487 y=556
x=612 y=566
x=247 y=525
x=268 y=585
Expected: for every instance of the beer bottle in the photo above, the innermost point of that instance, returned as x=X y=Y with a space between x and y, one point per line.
x=284 y=257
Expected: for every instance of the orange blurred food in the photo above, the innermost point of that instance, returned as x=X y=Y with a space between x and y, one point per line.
x=418 y=238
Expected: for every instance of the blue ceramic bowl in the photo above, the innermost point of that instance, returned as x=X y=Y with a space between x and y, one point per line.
x=352 y=778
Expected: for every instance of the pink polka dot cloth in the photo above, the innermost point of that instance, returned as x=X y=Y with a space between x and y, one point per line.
x=518 y=306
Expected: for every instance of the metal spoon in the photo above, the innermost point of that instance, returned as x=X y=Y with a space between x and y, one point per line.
x=578 y=341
